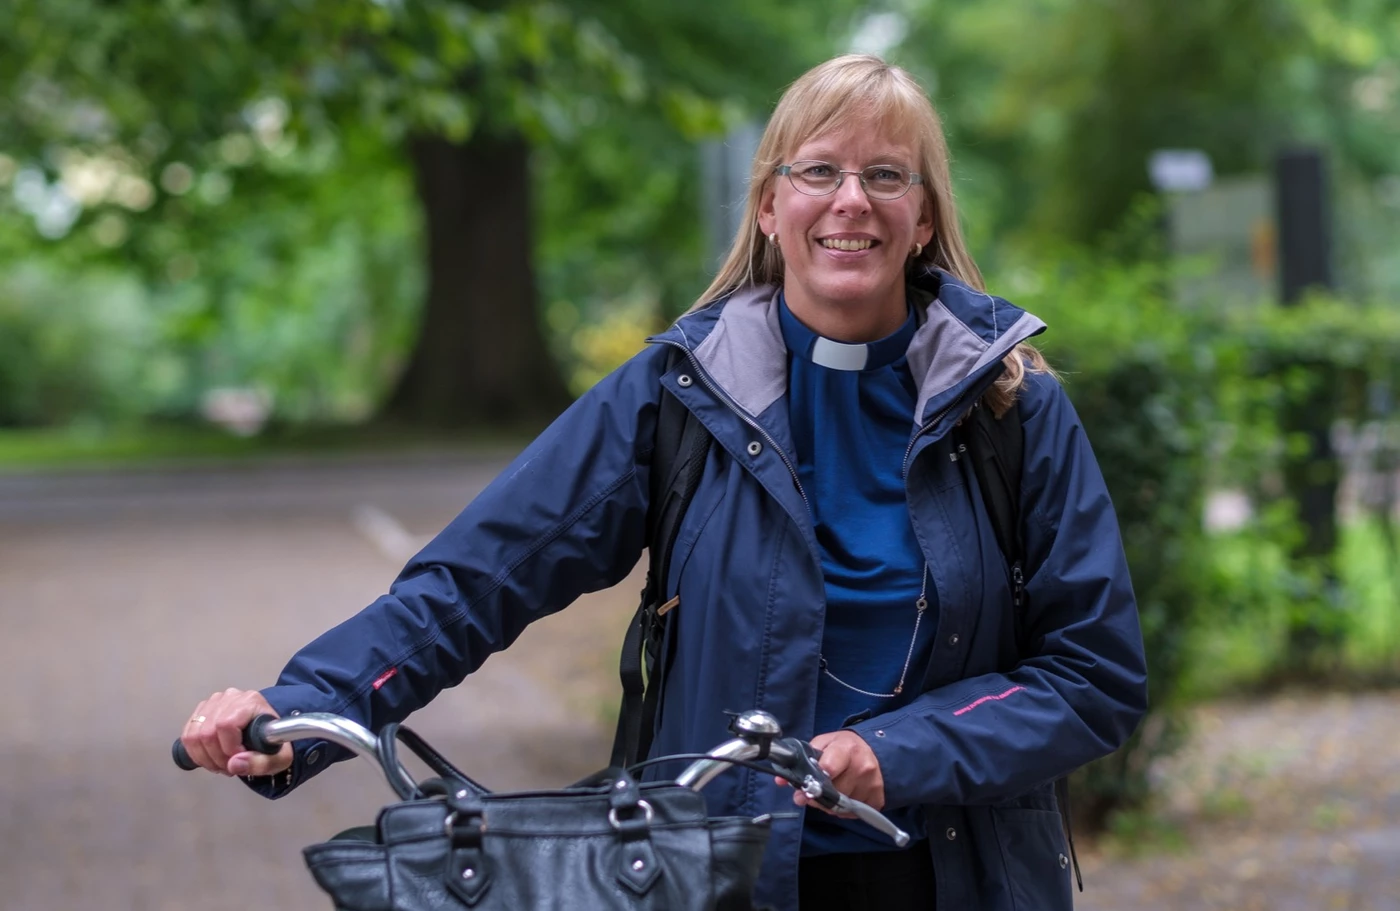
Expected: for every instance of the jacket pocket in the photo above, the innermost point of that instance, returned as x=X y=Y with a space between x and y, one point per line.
x=1035 y=857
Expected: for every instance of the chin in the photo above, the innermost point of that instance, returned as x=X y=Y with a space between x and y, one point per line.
x=853 y=293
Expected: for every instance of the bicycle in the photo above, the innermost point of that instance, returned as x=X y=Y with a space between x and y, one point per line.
x=603 y=843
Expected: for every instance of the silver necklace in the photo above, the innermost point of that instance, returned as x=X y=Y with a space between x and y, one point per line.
x=921 y=605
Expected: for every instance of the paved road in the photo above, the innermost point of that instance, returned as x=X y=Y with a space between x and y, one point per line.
x=1286 y=804
x=127 y=598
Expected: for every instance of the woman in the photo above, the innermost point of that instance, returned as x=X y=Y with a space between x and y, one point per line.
x=836 y=566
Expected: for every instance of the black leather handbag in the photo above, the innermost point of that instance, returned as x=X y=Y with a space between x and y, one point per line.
x=606 y=843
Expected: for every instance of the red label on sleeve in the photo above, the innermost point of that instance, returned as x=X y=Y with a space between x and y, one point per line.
x=967 y=708
x=385 y=677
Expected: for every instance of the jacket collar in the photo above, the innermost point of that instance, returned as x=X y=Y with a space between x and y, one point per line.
x=963 y=335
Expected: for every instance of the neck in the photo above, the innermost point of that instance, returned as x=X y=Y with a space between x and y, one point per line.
x=848 y=321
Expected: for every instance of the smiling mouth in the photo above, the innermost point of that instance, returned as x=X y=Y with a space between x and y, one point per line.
x=838 y=244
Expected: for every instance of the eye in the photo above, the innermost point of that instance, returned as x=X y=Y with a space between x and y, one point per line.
x=815 y=169
x=885 y=174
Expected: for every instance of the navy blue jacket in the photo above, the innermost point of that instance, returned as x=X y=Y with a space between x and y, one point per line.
x=978 y=749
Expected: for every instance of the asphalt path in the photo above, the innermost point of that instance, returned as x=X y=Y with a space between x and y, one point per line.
x=128 y=597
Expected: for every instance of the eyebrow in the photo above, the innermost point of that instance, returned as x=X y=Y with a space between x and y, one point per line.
x=826 y=154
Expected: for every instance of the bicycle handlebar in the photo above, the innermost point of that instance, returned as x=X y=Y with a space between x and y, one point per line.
x=759 y=737
x=798 y=760
x=254 y=738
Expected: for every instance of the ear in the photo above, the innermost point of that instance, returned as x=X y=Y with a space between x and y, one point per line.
x=767 y=213
x=923 y=228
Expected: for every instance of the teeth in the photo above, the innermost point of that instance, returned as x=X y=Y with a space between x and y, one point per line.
x=832 y=244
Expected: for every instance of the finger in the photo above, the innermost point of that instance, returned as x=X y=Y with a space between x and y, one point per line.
x=250 y=763
x=864 y=782
x=836 y=758
x=854 y=768
x=228 y=726
x=192 y=738
x=207 y=731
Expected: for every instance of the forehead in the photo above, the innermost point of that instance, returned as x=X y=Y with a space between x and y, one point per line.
x=863 y=140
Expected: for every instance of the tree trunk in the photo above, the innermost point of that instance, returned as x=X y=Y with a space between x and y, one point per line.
x=480 y=358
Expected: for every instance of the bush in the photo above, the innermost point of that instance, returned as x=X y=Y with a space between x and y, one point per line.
x=1297 y=381
x=67 y=348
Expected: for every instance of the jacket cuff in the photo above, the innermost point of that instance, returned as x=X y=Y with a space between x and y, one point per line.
x=309 y=757
x=879 y=735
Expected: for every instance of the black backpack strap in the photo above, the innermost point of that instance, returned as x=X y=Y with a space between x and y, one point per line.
x=682 y=443
x=997 y=447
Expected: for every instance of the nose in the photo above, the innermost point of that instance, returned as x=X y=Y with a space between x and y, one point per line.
x=850 y=199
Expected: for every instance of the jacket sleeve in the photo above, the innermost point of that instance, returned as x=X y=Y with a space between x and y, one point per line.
x=988 y=738
x=566 y=517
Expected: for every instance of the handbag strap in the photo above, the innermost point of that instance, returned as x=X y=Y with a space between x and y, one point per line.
x=631 y=816
x=389 y=738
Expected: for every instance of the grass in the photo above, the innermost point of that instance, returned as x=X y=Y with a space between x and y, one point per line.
x=1242 y=646
x=81 y=448
x=1142 y=832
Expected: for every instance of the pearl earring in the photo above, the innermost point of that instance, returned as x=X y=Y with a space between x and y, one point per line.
x=918 y=248
x=773 y=238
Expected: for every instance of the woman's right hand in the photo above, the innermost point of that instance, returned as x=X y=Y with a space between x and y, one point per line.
x=214 y=735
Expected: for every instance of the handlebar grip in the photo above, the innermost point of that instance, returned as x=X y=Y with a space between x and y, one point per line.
x=254 y=739
x=182 y=756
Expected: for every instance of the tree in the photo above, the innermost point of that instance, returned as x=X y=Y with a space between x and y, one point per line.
x=462 y=94
x=1054 y=106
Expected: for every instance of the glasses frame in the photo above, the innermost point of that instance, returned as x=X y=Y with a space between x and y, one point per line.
x=915 y=178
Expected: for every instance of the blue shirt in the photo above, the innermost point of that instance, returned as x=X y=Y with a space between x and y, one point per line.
x=851 y=408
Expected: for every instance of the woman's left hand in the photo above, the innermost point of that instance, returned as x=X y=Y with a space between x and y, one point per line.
x=853 y=768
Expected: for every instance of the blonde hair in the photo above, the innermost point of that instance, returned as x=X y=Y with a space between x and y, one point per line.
x=828 y=97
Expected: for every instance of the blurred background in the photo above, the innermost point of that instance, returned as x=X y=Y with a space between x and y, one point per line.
x=283 y=284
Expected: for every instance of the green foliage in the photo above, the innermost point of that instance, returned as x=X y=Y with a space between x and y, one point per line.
x=1054 y=106
x=66 y=347
x=254 y=181
x=1335 y=365
x=299 y=281
x=1256 y=600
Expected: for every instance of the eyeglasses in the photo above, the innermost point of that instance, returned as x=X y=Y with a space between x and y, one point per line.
x=821 y=178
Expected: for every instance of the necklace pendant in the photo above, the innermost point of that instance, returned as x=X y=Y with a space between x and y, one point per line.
x=898 y=690
x=921 y=604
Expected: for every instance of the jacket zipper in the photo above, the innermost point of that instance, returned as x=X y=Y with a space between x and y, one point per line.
x=921 y=431
x=1018 y=578
x=743 y=416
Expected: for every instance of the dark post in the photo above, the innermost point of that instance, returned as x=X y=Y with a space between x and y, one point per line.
x=1311 y=473
x=1304 y=224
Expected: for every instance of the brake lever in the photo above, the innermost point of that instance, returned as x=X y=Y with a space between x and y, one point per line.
x=816 y=784
x=805 y=774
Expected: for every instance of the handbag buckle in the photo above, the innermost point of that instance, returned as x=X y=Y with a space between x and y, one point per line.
x=449 y=823
x=612 y=816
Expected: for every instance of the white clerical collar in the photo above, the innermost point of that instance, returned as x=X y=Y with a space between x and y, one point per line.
x=847 y=356
x=839 y=355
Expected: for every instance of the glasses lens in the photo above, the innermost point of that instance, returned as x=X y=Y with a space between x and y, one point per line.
x=815 y=178
x=885 y=181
